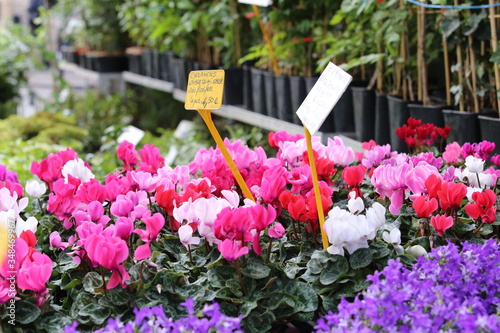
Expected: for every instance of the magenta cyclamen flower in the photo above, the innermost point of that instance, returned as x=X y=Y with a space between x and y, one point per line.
x=232 y=250
x=154 y=224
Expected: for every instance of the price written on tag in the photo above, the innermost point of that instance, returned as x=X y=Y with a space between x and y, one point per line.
x=205 y=90
x=323 y=96
x=262 y=3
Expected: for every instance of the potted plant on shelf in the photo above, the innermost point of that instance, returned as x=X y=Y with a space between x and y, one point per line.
x=466 y=32
x=104 y=37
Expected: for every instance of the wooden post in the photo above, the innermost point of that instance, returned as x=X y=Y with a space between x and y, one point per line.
x=447 y=70
x=423 y=78
x=494 y=43
x=269 y=43
x=472 y=57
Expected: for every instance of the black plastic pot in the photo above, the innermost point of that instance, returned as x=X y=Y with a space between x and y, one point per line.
x=270 y=94
x=147 y=62
x=363 y=102
x=155 y=58
x=247 y=88
x=258 y=90
x=233 y=86
x=490 y=129
x=164 y=59
x=382 y=126
x=429 y=114
x=398 y=116
x=134 y=63
x=284 y=99
x=464 y=126
x=109 y=64
x=297 y=94
x=181 y=70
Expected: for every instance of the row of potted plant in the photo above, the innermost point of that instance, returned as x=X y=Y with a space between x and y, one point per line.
x=148 y=234
x=398 y=71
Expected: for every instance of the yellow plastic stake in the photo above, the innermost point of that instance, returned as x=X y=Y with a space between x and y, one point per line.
x=267 y=39
x=207 y=117
x=317 y=194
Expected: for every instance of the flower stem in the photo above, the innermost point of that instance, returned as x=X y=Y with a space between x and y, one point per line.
x=240 y=277
x=103 y=281
x=41 y=207
x=190 y=254
x=269 y=250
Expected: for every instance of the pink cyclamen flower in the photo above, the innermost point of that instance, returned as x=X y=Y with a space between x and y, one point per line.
x=151 y=159
x=108 y=252
x=34 y=272
x=441 y=223
x=186 y=236
x=128 y=155
x=56 y=241
x=277 y=230
x=453 y=153
x=232 y=250
x=154 y=223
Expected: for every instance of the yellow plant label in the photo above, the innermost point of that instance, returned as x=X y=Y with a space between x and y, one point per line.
x=205 y=90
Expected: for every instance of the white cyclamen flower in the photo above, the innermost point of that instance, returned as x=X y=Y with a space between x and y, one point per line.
x=474 y=164
x=186 y=235
x=394 y=238
x=35 y=189
x=416 y=251
x=30 y=224
x=355 y=205
x=77 y=169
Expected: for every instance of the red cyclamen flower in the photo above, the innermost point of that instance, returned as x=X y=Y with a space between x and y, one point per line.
x=441 y=223
x=483 y=206
x=425 y=206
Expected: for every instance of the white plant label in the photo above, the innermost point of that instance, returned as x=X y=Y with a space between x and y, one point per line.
x=262 y=3
x=320 y=101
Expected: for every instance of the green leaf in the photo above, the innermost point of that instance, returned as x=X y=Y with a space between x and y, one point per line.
x=495 y=57
x=72 y=284
x=361 y=258
x=91 y=282
x=449 y=25
x=97 y=313
x=26 y=312
x=314 y=266
x=255 y=269
x=119 y=296
x=258 y=322
x=53 y=322
x=291 y=270
x=333 y=269
x=234 y=286
x=329 y=303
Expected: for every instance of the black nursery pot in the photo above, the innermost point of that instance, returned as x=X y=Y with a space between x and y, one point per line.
x=429 y=114
x=284 y=99
x=490 y=129
x=258 y=91
x=155 y=66
x=164 y=63
x=108 y=64
x=464 y=126
x=382 y=128
x=134 y=63
x=147 y=62
x=270 y=95
x=297 y=94
x=398 y=113
x=363 y=102
x=233 y=86
x=247 y=88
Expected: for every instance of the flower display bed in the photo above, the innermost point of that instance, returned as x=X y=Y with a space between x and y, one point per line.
x=148 y=235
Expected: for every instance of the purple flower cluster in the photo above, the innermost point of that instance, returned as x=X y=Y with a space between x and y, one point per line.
x=154 y=320
x=449 y=290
